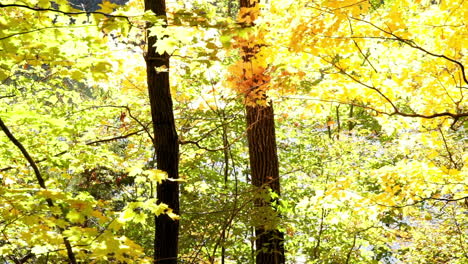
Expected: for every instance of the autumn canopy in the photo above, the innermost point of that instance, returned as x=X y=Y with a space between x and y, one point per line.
x=249 y=131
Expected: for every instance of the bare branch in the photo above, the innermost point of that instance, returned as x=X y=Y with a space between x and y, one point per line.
x=366 y=57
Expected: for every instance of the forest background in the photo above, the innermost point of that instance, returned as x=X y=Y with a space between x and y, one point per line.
x=369 y=136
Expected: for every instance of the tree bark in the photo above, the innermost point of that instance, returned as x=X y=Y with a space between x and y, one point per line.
x=265 y=175
x=264 y=169
x=166 y=144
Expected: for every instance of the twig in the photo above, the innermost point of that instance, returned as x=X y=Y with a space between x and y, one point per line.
x=115 y=138
x=447 y=149
x=366 y=57
x=145 y=127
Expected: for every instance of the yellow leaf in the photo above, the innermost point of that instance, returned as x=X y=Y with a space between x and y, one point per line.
x=107 y=7
x=75 y=217
x=127 y=215
x=135 y=170
x=156 y=175
x=172 y=215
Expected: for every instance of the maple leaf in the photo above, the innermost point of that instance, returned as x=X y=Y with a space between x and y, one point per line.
x=107 y=7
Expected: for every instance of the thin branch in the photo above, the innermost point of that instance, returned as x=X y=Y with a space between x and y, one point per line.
x=44 y=28
x=87 y=143
x=196 y=143
x=447 y=149
x=343 y=71
x=40 y=179
x=145 y=127
x=115 y=138
x=366 y=57
x=316 y=249
x=413 y=44
x=396 y=110
x=408 y=42
x=447 y=200
x=7 y=96
x=25 y=153
x=460 y=233
x=348 y=256
x=65 y=12
x=442 y=114
x=228 y=222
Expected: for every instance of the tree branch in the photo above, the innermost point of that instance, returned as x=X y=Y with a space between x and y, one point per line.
x=145 y=127
x=65 y=12
x=413 y=44
x=87 y=143
x=40 y=179
x=447 y=200
x=7 y=96
x=197 y=143
x=115 y=138
x=25 y=153
x=396 y=110
x=44 y=28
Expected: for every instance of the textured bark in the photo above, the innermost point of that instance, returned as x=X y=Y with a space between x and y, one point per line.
x=264 y=169
x=265 y=175
x=166 y=145
x=248 y=3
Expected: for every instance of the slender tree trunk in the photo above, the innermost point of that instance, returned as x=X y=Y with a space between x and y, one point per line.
x=264 y=169
x=166 y=144
x=265 y=175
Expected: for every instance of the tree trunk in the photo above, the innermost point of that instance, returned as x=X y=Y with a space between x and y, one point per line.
x=265 y=176
x=264 y=166
x=165 y=143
